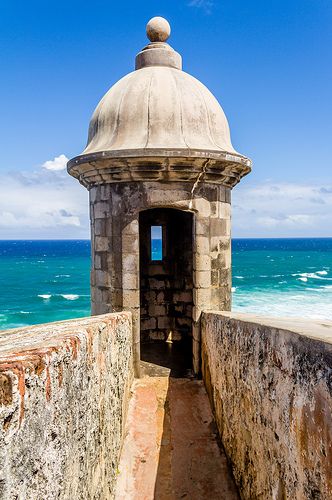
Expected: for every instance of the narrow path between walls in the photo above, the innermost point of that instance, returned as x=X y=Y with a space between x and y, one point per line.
x=171 y=448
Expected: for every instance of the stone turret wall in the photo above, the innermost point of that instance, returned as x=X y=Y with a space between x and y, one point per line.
x=269 y=381
x=115 y=276
x=64 y=390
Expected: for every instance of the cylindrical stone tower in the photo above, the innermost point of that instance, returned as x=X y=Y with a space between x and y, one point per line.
x=159 y=166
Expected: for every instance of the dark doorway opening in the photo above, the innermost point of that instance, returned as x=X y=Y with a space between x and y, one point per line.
x=166 y=288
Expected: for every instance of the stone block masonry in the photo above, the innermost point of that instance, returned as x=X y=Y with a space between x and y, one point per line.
x=166 y=285
x=269 y=381
x=122 y=276
x=64 y=390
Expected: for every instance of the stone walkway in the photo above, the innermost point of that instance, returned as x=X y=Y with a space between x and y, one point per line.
x=171 y=449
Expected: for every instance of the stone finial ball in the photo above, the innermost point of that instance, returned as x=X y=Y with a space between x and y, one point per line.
x=158 y=29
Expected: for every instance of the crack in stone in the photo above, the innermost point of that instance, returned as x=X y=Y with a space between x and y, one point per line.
x=200 y=175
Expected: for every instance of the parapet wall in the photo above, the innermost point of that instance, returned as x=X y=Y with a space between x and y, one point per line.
x=64 y=391
x=270 y=382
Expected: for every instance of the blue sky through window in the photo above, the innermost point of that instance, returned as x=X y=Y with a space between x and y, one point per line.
x=156 y=243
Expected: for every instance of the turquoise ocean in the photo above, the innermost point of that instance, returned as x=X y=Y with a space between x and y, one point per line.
x=42 y=281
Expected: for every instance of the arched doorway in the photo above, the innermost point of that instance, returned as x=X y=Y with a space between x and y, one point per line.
x=166 y=287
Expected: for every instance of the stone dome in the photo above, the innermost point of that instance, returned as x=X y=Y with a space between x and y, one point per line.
x=157 y=113
x=158 y=107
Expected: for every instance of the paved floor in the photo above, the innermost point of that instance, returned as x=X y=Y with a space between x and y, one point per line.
x=171 y=449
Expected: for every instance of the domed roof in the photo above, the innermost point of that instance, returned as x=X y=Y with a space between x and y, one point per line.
x=156 y=112
x=158 y=107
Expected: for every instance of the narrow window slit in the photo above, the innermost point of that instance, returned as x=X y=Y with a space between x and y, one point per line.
x=156 y=243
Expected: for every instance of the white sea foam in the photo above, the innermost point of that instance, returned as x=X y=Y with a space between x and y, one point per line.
x=25 y=312
x=70 y=296
x=62 y=276
x=316 y=275
x=303 y=279
x=307 y=304
x=45 y=296
x=322 y=273
x=239 y=277
x=233 y=289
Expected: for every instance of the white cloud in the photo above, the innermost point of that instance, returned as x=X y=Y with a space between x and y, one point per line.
x=282 y=210
x=59 y=163
x=49 y=203
x=45 y=203
x=206 y=5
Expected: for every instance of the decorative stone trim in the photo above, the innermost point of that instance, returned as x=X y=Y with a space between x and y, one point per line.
x=159 y=165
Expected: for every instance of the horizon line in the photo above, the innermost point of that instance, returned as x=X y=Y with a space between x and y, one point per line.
x=234 y=238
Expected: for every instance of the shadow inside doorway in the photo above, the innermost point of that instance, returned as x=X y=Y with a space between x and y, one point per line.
x=165 y=359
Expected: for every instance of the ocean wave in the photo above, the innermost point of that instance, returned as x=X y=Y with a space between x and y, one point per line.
x=239 y=277
x=309 y=304
x=67 y=296
x=62 y=276
x=319 y=288
x=295 y=297
x=70 y=296
x=233 y=289
x=303 y=279
x=25 y=312
x=316 y=275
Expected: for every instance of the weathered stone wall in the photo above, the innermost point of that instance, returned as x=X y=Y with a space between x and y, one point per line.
x=63 y=399
x=115 y=276
x=270 y=382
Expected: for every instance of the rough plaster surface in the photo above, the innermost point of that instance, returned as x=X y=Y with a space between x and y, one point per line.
x=272 y=393
x=63 y=401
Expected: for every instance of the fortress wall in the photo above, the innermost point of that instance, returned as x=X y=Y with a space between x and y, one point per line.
x=270 y=382
x=64 y=390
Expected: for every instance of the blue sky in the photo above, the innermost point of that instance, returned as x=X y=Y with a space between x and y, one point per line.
x=268 y=63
